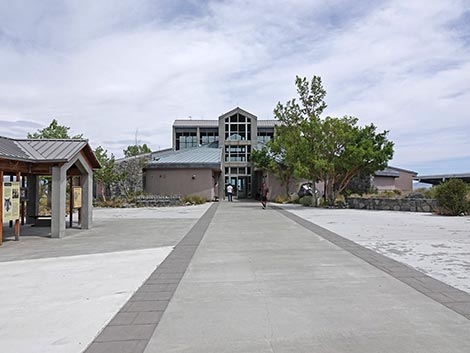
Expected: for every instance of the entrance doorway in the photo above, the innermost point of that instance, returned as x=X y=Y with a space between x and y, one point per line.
x=241 y=186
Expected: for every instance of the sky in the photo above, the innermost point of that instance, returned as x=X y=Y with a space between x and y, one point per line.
x=121 y=71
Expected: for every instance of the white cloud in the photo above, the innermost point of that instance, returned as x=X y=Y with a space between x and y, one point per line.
x=109 y=68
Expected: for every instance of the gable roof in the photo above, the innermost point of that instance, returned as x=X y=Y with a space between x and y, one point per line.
x=393 y=172
x=240 y=111
x=45 y=150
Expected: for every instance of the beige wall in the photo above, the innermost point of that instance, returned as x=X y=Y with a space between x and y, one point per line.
x=180 y=181
x=405 y=181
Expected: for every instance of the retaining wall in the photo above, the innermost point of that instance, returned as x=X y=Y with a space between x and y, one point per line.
x=405 y=204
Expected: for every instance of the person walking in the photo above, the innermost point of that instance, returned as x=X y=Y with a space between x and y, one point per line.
x=264 y=194
x=229 y=192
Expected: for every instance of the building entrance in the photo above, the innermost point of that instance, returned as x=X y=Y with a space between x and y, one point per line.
x=241 y=186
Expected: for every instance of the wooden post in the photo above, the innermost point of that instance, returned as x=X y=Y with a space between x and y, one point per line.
x=71 y=202
x=80 y=209
x=10 y=223
x=17 y=221
x=23 y=203
x=1 y=207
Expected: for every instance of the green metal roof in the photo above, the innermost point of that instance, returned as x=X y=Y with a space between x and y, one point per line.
x=198 y=157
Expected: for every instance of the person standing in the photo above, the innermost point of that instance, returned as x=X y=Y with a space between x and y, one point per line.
x=229 y=192
x=264 y=194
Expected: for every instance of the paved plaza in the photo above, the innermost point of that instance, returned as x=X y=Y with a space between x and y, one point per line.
x=225 y=277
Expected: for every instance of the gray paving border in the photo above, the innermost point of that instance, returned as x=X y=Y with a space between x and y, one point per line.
x=132 y=327
x=453 y=298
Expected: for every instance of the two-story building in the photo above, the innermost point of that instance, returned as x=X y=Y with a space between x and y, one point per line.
x=210 y=154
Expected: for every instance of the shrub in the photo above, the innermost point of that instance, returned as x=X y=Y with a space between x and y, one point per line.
x=193 y=199
x=306 y=201
x=452 y=197
x=430 y=193
x=281 y=199
x=390 y=193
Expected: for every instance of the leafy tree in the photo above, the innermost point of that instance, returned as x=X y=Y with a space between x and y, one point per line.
x=337 y=150
x=331 y=150
x=54 y=131
x=135 y=150
x=107 y=175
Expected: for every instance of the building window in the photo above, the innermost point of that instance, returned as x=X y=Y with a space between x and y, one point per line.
x=207 y=136
x=265 y=135
x=237 y=153
x=237 y=128
x=186 y=139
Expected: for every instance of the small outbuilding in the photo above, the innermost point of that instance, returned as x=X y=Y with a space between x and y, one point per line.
x=23 y=161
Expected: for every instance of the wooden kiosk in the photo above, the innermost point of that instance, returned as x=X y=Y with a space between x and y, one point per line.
x=25 y=160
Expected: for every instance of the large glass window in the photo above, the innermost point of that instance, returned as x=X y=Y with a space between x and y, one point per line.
x=186 y=139
x=207 y=136
x=237 y=128
x=265 y=135
x=237 y=153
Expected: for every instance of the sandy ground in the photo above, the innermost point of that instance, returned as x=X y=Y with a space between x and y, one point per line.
x=436 y=245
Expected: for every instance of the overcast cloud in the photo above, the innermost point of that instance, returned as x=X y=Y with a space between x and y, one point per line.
x=117 y=69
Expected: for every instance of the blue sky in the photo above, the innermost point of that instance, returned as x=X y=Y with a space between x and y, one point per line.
x=114 y=69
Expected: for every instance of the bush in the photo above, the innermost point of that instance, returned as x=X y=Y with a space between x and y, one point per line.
x=430 y=193
x=452 y=197
x=281 y=199
x=193 y=199
x=306 y=201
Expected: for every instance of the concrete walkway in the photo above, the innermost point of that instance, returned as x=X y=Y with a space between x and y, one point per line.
x=244 y=279
x=261 y=282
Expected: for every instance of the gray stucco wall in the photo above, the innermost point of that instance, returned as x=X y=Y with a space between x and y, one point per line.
x=181 y=181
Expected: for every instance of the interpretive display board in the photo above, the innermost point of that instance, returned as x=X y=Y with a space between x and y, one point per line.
x=77 y=197
x=11 y=201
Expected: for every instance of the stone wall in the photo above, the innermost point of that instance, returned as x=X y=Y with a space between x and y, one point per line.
x=404 y=204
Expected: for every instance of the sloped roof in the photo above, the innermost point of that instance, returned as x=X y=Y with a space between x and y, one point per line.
x=195 y=123
x=387 y=172
x=394 y=172
x=267 y=123
x=239 y=111
x=45 y=150
x=198 y=157
x=440 y=178
x=214 y=123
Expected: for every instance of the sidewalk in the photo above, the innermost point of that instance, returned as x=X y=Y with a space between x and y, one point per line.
x=260 y=282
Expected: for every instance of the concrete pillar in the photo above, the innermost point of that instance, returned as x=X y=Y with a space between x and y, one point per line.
x=87 y=201
x=32 y=205
x=59 y=183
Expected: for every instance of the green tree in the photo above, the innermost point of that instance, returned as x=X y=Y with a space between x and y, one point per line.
x=331 y=150
x=54 y=131
x=107 y=175
x=135 y=150
x=337 y=150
